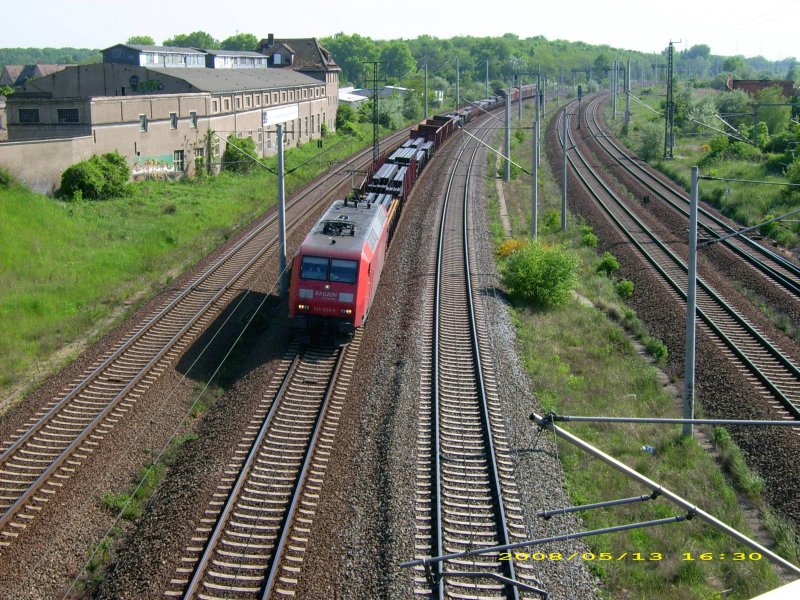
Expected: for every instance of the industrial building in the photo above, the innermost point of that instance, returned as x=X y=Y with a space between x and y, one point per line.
x=157 y=105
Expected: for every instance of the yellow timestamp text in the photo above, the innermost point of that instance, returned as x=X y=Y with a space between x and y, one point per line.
x=631 y=556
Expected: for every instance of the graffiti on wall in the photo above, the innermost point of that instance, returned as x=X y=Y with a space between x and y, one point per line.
x=148 y=85
x=153 y=167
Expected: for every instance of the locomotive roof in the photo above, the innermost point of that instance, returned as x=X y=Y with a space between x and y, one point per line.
x=333 y=230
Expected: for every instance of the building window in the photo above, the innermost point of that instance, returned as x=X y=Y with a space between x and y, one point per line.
x=68 y=115
x=193 y=119
x=199 y=158
x=274 y=97
x=214 y=106
x=238 y=102
x=257 y=99
x=142 y=122
x=173 y=120
x=247 y=101
x=226 y=104
x=306 y=125
x=28 y=115
x=177 y=160
x=283 y=96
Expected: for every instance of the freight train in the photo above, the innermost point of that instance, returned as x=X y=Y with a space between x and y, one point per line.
x=336 y=270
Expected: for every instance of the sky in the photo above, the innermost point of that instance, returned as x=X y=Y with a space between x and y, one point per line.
x=767 y=27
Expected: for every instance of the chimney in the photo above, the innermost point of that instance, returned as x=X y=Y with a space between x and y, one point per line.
x=270 y=41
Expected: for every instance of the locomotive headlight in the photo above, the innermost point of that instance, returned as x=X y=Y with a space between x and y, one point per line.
x=347 y=311
x=303 y=307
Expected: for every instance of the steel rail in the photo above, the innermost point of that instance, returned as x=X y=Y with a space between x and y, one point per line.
x=667 y=193
x=138 y=335
x=203 y=561
x=774 y=352
x=490 y=455
x=144 y=328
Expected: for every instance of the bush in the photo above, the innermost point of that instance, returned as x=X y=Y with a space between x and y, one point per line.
x=588 y=237
x=237 y=155
x=99 y=177
x=608 y=264
x=551 y=221
x=5 y=178
x=541 y=275
x=651 y=142
x=508 y=247
x=657 y=350
x=344 y=114
x=625 y=288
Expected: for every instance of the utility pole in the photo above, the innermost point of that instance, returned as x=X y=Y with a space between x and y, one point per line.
x=537 y=133
x=615 y=87
x=281 y=216
x=535 y=182
x=487 y=77
x=426 y=89
x=627 y=96
x=458 y=83
x=669 y=116
x=375 y=139
x=564 y=175
x=691 y=308
x=507 y=175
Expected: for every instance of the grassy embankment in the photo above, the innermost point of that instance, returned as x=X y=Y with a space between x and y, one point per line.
x=745 y=203
x=70 y=270
x=748 y=204
x=582 y=362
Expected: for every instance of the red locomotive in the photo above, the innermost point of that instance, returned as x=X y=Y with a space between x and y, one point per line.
x=336 y=270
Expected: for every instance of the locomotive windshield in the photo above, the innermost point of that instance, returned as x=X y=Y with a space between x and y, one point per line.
x=314 y=267
x=343 y=271
x=339 y=270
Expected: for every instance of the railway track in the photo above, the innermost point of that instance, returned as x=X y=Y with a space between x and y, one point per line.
x=762 y=362
x=776 y=268
x=251 y=542
x=466 y=495
x=63 y=436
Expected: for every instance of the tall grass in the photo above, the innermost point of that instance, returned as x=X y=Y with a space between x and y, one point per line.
x=68 y=270
x=582 y=362
x=746 y=203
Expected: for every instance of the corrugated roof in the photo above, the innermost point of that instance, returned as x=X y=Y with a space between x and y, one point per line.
x=233 y=53
x=225 y=80
x=169 y=49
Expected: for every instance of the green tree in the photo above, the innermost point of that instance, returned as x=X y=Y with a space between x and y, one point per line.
x=196 y=39
x=344 y=114
x=776 y=117
x=141 y=40
x=412 y=106
x=238 y=151
x=735 y=65
x=651 y=140
x=6 y=90
x=735 y=107
x=241 y=41
x=350 y=52
x=400 y=62
x=698 y=51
